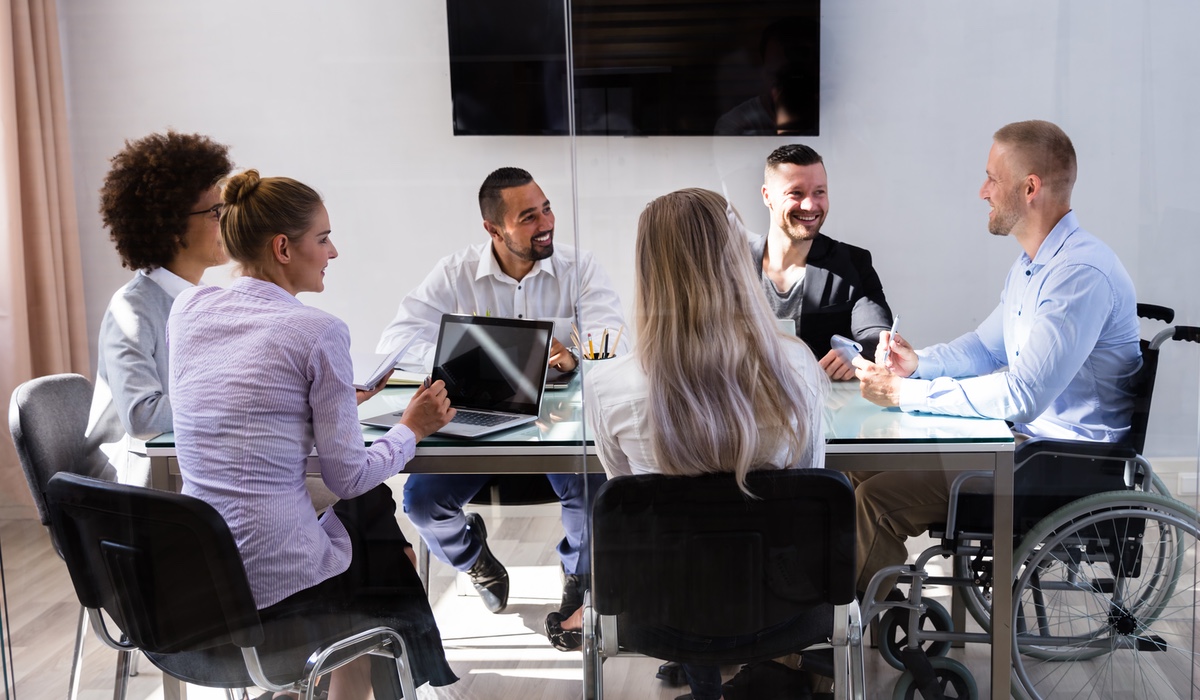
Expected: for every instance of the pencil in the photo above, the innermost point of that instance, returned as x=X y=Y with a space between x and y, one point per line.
x=591 y=348
x=617 y=339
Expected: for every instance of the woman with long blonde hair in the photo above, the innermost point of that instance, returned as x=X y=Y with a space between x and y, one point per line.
x=713 y=384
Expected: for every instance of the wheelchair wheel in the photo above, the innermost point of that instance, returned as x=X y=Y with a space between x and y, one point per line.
x=893 y=628
x=977 y=599
x=954 y=680
x=1099 y=607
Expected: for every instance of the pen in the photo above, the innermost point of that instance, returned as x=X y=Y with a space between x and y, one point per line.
x=887 y=352
x=604 y=348
x=427 y=382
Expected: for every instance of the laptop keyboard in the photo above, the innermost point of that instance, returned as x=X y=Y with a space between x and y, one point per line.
x=476 y=418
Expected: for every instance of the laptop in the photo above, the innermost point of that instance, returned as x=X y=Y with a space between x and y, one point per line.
x=495 y=373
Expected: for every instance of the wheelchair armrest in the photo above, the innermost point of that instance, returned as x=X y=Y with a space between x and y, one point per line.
x=1034 y=447
x=955 y=488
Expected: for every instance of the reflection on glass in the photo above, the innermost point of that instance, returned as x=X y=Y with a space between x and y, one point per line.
x=731 y=67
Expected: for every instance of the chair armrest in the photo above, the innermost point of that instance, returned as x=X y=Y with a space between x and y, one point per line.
x=1073 y=448
x=955 y=488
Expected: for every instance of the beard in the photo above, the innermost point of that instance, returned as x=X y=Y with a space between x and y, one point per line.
x=1005 y=217
x=798 y=232
x=530 y=253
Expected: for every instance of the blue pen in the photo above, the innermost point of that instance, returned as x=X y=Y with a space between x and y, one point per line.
x=887 y=352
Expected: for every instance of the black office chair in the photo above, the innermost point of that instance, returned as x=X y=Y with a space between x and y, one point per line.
x=164 y=567
x=48 y=420
x=697 y=556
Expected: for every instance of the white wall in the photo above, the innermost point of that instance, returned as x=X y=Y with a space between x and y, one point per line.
x=353 y=98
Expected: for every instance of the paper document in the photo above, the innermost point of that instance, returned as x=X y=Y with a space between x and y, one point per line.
x=370 y=368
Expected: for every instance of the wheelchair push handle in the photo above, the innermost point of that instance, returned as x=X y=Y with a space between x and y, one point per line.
x=1188 y=333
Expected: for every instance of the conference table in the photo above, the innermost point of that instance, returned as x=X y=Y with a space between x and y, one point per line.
x=859 y=436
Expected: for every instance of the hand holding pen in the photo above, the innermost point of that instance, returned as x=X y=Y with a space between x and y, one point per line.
x=429 y=409
x=895 y=354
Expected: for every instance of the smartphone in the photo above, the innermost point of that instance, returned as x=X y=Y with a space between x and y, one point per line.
x=846 y=348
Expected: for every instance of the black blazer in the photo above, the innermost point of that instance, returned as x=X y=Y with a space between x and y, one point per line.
x=842 y=295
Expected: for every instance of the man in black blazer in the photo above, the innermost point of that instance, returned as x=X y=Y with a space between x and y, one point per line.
x=826 y=286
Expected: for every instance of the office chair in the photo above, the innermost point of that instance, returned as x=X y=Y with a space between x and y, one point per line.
x=164 y=567
x=48 y=420
x=697 y=556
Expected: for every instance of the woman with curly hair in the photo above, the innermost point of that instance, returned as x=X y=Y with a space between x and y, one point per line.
x=161 y=204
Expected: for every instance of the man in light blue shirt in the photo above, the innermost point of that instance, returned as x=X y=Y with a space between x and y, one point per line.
x=1057 y=358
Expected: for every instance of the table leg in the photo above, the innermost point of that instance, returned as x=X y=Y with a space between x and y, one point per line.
x=1002 y=566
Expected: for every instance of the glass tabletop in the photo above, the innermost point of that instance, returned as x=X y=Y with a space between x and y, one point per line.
x=849 y=419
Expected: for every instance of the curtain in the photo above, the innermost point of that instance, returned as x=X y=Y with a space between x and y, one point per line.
x=43 y=328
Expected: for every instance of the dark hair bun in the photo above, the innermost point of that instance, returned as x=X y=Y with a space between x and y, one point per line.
x=239 y=187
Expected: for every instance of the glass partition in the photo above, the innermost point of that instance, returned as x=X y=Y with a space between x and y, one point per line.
x=669 y=247
x=904 y=137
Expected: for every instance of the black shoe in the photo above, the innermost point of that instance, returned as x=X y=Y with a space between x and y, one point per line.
x=672 y=674
x=561 y=639
x=574 y=586
x=488 y=575
x=767 y=680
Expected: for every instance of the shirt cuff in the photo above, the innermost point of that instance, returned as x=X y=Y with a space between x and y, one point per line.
x=400 y=439
x=927 y=367
x=914 y=394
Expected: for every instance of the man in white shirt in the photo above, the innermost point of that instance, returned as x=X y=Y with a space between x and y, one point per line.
x=517 y=274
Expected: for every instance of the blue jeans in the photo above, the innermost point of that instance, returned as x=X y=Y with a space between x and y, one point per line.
x=434 y=503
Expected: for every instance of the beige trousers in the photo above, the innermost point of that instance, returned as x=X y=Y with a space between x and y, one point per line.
x=891 y=507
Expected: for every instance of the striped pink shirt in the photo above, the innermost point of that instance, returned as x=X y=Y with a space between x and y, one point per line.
x=257 y=380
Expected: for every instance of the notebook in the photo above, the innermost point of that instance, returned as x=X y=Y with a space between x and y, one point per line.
x=495 y=373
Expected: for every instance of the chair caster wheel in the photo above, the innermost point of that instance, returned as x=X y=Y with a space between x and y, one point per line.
x=671 y=673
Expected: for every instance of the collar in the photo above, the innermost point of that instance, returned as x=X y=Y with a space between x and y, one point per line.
x=1058 y=236
x=170 y=282
x=489 y=267
x=263 y=289
x=821 y=246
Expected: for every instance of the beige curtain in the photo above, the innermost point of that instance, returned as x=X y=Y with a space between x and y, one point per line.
x=43 y=329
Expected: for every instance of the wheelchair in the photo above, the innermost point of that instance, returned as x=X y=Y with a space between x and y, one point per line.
x=1104 y=578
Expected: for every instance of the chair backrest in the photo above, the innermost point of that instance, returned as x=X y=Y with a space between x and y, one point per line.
x=48 y=419
x=698 y=555
x=163 y=565
x=1144 y=387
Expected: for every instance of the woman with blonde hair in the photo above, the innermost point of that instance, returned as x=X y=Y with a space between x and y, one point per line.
x=713 y=384
x=258 y=380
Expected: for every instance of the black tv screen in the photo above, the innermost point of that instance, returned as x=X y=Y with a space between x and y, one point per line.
x=695 y=67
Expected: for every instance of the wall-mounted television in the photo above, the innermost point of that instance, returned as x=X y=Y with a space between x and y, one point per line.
x=642 y=68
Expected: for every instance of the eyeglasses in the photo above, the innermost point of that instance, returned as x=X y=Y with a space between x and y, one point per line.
x=214 y=211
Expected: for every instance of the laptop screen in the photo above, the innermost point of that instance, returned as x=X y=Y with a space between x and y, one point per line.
x=494 y=364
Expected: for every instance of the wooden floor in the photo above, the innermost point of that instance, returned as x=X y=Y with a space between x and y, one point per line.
x=501 y=657
x=497 y=657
